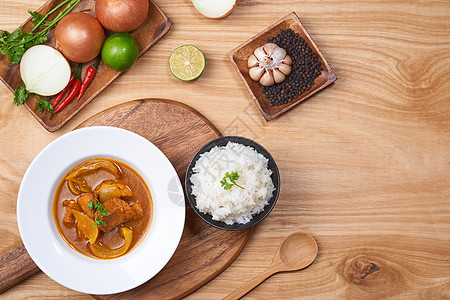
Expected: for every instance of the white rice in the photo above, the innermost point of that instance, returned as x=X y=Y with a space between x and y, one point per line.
x=235 y=205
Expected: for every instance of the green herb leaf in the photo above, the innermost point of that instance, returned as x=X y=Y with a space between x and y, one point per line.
x=44 y=104
x=36 y=17
x=98 y=206
x=21 y=95
x=12 y=45
x=225 y=184
x=232 y=177
x=91 y=205
x=104 y=211
x=99 y=221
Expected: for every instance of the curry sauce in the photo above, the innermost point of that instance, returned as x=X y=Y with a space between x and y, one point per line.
x=104 y=210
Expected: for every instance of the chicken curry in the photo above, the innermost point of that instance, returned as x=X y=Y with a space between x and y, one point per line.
x=102 y=208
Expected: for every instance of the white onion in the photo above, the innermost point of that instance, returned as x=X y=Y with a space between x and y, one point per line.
x=215 y=8
x=44 y=70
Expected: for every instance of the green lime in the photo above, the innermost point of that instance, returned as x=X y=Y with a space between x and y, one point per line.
x=120 y=51
x=187 y=62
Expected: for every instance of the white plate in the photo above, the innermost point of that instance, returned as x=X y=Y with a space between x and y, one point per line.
x=46 y=246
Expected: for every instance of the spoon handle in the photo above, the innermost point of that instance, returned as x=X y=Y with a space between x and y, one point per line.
x=250 y=285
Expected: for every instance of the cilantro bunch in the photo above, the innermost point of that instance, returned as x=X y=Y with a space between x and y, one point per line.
x=13 y=45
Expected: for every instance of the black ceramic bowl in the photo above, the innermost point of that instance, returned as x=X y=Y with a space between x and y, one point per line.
x=275 y=178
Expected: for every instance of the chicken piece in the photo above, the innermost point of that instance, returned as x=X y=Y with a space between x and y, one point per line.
x=84 y=200
x=110 y=189
x=118 y=211
x=69 y=218
x=137 y=208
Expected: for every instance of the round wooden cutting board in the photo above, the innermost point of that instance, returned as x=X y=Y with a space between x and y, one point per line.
x=179 y=132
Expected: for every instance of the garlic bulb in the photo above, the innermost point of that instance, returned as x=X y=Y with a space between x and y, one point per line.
x=269 y=64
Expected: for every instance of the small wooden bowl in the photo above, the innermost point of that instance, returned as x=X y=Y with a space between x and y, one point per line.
x=239 y=57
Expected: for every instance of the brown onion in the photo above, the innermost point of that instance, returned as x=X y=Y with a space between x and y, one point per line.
x=121 y=15
x=79 y=36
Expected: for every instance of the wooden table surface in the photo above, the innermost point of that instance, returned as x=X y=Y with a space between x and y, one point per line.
x=364 y=164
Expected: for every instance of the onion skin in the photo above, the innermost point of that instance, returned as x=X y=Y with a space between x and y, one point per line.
x=80 y=37
x=121 y=15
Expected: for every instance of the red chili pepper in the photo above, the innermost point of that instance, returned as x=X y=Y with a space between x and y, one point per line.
x=90 y=73
x=68 y=86
x=73 y=92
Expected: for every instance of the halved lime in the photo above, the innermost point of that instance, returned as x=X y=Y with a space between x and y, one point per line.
x=187 y=62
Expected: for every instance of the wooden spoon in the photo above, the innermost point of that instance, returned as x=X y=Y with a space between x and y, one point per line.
x=297 y=251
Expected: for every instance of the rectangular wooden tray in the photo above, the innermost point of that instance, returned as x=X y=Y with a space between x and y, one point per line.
x=240 y=55
x=154 y=27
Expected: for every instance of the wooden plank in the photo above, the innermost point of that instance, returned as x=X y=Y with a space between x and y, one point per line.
x=364 y=164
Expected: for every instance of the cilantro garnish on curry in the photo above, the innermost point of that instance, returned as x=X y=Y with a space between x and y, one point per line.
x=102 y=208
